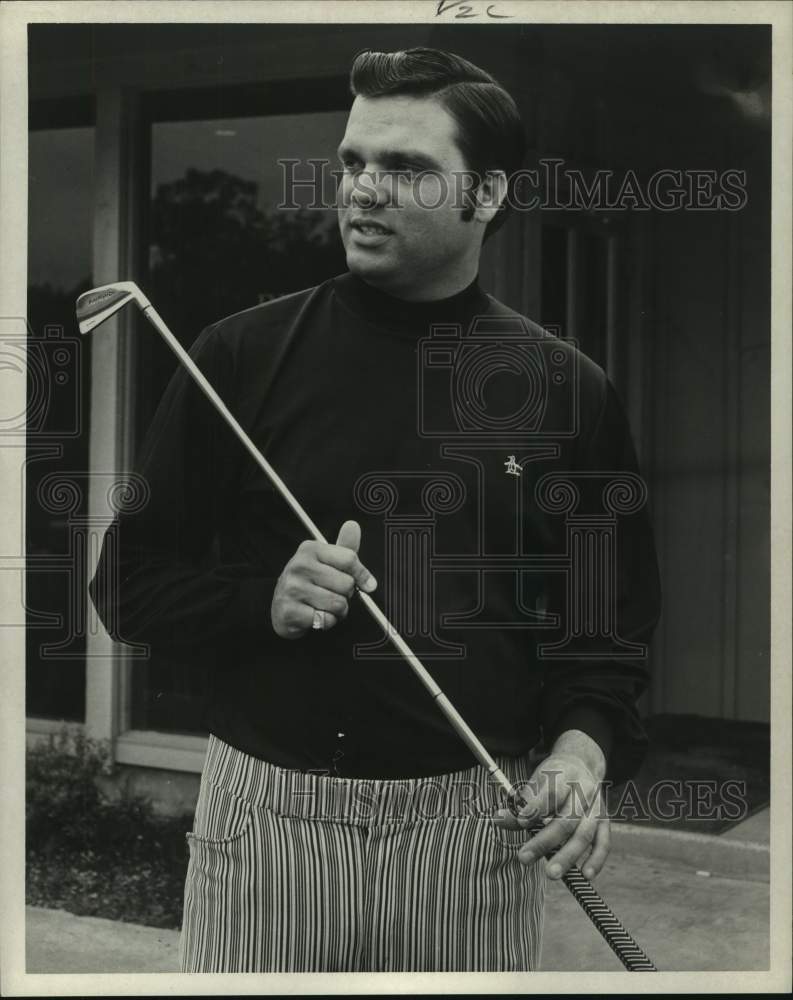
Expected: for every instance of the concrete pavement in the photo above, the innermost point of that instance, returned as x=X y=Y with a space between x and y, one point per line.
x=684 y=921
x=703 y=911
x=59 y=942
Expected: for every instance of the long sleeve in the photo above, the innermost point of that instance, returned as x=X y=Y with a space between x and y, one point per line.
x=160 y=579
x=597 y=693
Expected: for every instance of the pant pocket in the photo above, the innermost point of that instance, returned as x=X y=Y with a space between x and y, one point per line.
x=509 y=840
x=217 y=918
x=220 y=815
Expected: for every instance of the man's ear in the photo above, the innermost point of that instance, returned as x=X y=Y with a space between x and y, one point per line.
x=490 y=195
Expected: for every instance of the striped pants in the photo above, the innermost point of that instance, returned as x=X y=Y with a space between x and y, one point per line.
x=296 y=872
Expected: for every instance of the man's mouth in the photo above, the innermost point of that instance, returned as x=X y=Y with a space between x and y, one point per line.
x=369 y=228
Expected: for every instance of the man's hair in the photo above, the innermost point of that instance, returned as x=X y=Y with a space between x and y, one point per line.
x=489 y=130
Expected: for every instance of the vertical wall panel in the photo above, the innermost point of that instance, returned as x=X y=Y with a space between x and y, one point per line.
x=689 y=472
x=752 y=678
x=731 y=474
x=111 y=383
x=711 y=330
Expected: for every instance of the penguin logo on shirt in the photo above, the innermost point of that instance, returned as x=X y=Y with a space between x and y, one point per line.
x=513 y=468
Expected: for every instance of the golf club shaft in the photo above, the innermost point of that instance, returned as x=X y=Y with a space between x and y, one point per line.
x=158 y=323
x=460 y=725
x=620 y=941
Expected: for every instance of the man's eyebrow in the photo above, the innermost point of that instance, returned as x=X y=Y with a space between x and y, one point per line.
x=394 y=158
x=398 y=157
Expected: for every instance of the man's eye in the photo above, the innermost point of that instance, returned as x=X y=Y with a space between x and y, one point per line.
x=407 y=172
x=351 y=166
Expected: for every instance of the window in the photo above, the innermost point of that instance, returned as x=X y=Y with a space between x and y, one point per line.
x=60 y=221
x=217 y=242
x=578 y=285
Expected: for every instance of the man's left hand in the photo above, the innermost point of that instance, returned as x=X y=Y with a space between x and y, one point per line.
x=565 y=794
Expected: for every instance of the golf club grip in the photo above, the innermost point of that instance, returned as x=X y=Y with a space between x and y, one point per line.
x=585 y=894
x=618 y=939
x=614 y=934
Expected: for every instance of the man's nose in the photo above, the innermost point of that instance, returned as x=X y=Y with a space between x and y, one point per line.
x=369 y=189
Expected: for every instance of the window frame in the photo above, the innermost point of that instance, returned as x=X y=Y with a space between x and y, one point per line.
x=123 y=118
x=51 y=114
x=147 y=747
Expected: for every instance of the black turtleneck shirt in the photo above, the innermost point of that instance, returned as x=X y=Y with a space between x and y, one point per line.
x=432 y=425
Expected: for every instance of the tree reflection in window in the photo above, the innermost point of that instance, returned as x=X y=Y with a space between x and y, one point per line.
x=213 y=251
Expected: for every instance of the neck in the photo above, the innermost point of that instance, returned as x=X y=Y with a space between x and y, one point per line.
x=433 y=290
x=386 y=309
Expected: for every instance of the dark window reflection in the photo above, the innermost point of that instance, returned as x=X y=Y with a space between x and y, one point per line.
x=60 y=222
x=591 y=295
x=554 y=279
x=574 y=284
x=217 y=243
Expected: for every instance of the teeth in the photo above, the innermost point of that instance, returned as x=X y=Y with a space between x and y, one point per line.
x=370 y=230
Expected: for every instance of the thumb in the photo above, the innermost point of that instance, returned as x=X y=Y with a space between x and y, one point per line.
x=350 y=535
x=535 y=794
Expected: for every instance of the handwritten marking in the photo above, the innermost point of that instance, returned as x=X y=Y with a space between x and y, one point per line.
x=459 y=9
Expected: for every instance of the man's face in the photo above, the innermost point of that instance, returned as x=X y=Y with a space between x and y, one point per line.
x=399 y=205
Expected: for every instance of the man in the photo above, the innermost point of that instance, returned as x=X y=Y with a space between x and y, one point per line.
x=341 y=823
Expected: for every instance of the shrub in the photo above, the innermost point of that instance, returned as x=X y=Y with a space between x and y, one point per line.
x=93 y=850
x=63 y=797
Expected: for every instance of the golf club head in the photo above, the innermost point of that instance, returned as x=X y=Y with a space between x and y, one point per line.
x=98 y=304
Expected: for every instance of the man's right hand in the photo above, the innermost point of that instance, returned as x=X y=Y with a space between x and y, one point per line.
x=319 y=577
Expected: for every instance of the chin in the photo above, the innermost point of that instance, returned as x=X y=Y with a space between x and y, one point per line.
x=362 y=265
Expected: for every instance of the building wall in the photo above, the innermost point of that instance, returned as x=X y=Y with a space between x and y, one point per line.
x=694 y=341
x=711 y=363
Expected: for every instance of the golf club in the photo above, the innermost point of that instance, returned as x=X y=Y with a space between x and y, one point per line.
x=98 y=305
